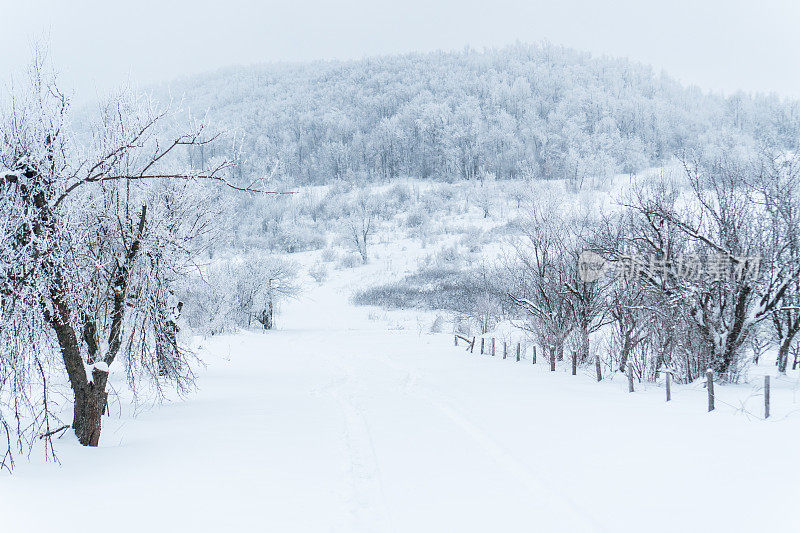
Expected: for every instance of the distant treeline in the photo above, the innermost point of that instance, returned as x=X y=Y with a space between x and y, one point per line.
x=540 y=111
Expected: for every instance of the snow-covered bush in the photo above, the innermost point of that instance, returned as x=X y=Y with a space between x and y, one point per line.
x=348 y=260
x=328 y=255
x=292 y=238
x=398 y=198
x=240 y=293
x=432 y=288
x=416 y=218
x=437 y=326
x=319 y=272
x=472 y=240
x=448 y=255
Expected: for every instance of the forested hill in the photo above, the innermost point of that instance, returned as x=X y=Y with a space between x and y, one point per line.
x=523 y=111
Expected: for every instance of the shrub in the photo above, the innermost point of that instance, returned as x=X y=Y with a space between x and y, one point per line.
x=349 y=260
x=438 y=324
x=328 y=255
x=319 y=272
x=416 y=219
x=430 y=288
x=293 y=238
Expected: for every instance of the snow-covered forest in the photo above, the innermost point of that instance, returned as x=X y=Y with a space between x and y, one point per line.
x=520 y=112
x=518 y=288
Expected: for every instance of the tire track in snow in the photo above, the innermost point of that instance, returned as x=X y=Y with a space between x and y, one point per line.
x=367 y=508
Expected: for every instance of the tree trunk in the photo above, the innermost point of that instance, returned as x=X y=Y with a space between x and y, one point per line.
x=79 y=410
x=90 y=404
x=625 y=353
x=783 y=354
x=90 y=396
x=584 y=355
x=265 y=317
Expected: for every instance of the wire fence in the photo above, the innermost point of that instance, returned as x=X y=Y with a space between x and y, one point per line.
x=488 y=346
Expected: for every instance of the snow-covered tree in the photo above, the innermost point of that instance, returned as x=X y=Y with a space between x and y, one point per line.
x=360 y=223
x=541 y=270
x=722 y=226
x=96 y=223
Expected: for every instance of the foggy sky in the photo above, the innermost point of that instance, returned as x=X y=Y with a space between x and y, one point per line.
x=719 y=45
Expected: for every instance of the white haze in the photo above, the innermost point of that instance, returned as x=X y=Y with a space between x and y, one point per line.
x=718 y=45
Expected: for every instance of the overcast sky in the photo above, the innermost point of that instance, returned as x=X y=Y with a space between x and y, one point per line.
x=722 y=45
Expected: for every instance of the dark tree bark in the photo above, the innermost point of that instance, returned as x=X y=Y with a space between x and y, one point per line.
x=71 y=355
x=94 y=400
x=625 y=350
x=786 y=323
x=90 y=397
x=265 y=317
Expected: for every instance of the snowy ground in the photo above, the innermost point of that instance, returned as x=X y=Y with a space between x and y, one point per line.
x=354 y=419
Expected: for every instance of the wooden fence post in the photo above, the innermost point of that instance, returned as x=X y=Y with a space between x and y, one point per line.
x=472 y=346
x=597 y=367
x=492 y=346
x=552 y=359
x=505 y=349
x=518 y=350
x=534 y=354
x=669 y=382
x=710 y=387
x=574 y=362
x=630 y=377
x=766 y=397
x=482 y=342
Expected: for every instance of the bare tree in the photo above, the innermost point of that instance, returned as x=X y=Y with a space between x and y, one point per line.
x=721 y=225
x=778 y=188
x=276 y=280
x=588 y=297
x=629 y=302
x=759 y=344
x=93 y=231
x=238 y=293
x=541 y=270
x=361 y=223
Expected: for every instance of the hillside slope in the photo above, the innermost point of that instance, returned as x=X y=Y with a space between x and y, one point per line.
x=523 y=111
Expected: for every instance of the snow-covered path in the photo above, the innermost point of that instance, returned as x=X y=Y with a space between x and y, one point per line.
x=340 y=422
